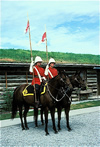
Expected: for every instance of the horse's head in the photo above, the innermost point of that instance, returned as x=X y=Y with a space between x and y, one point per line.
x=60 y=81
x=66 y=81
x=77 y=81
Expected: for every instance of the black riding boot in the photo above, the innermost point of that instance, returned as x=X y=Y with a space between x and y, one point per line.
x=38 y=95
x=38 y=99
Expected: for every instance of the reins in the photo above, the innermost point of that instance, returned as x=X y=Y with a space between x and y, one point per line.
x=55 y=98
x=68 y=97
x=65 y=91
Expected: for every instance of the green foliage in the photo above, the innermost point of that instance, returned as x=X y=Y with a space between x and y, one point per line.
x=21 y=55
x=7 y=96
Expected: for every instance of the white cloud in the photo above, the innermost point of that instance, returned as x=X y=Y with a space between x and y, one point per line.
x=66 y=21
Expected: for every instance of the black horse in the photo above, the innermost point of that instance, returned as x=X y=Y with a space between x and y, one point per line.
x=64 y=97
x=65 y=103
x=62 y=92
x=47 y=102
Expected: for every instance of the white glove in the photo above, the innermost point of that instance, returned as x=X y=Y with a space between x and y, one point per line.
x=31 y=59
x=31 y=66
x=43 y=78
x=46 y=70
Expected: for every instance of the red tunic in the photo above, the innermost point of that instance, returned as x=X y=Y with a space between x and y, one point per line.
x=36 y=79
x=53 y=71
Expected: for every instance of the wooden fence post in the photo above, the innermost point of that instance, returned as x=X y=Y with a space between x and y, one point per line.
x=26 y=78
x=6 y=78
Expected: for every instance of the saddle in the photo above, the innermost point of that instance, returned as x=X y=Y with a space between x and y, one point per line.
x=29 y=90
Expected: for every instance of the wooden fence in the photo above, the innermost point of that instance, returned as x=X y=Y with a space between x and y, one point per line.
x=15 y=76
x=90 y=78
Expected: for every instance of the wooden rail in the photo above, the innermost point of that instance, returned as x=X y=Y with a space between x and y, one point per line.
x=84 y=93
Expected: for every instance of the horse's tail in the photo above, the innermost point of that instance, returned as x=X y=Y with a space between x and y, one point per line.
x=14 y=107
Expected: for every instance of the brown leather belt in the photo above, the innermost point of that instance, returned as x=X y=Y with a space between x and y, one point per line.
x=36 y=77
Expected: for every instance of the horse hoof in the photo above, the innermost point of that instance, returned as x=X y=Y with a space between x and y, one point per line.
x=27 y=128
x=23 y=129
x=56 y=132
x=59 y=129
x=36 y=126
x=69 y=129
x=47 y=134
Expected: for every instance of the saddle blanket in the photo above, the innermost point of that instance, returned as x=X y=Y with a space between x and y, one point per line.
x=29 y=90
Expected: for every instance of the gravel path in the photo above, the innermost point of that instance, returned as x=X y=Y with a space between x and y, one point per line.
x=85 y=133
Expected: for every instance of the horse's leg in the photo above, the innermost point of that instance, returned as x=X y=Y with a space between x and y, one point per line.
x=59 y=117
x=53 y=118
x=25 y=115
x=46 y=120
x=67 y=109
x=20 y=114
x=36 y=116
x=42 y=116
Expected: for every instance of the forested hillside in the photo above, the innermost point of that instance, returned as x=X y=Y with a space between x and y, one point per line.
x=20 y=55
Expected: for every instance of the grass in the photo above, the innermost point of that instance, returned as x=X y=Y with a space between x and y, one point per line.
x=5 y=116
x=85 y=105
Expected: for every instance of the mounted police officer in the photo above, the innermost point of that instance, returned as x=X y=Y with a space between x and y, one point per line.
x=50 y=71
x=38 y=76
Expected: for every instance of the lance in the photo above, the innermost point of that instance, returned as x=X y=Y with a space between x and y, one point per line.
x=46 y=45
x=46 y=50
x=31 y=57
x=29 y=37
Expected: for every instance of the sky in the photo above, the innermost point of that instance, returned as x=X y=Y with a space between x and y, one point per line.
x=71 y=26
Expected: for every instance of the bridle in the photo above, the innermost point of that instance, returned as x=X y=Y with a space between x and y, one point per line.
x=55 y=98
x=78 y=82
x=69 y=83
x=65 y=92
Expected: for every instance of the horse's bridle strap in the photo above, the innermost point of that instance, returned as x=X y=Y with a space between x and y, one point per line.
x=56 y=96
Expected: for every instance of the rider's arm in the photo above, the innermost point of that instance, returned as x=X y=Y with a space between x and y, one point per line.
x=31 y=65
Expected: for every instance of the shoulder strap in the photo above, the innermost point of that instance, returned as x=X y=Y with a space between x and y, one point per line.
x=50 y=73
x=38 y=74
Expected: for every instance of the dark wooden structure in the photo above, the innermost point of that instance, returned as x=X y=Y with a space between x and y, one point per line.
x=15 y=74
